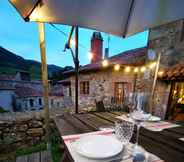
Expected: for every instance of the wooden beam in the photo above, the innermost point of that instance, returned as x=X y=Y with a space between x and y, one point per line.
x=44 y=78
x=155 y=82
x=76 y=67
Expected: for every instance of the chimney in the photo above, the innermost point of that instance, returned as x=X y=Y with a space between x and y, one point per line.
x=96 y=47
x=106 y=53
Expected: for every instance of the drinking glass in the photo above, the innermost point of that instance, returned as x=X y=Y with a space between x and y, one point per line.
x=139 y=117
x=124 y=131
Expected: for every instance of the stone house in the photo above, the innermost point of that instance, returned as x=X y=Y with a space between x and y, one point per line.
x=99 y=83
x=6 y=98
x=19 y=93
x=106 y=83
x=28 y=99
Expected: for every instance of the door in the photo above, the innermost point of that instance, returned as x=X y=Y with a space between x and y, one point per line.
x=119 y=92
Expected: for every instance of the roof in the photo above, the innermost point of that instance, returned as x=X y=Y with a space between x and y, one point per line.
x=175 y=72
x=4 y=86
x=27 y=92
x=7 y=77
x=133 y=57
x=56 y=90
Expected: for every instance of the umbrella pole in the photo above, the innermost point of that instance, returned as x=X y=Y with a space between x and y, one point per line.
x=76 y=67
x=154 y=82
x=44 y=80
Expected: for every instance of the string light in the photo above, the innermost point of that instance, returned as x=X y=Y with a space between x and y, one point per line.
x=127 y=69
x=161 y=72
x=152 y=65
x=136 y=70
x=143 y=69
x=105 y=63
x=117 y=67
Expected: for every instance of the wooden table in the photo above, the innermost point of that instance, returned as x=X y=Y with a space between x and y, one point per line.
x=165 y=144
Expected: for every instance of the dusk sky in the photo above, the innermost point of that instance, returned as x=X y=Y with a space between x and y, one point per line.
x=22 y=38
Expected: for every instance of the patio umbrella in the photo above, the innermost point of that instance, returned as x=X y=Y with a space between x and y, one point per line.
x=118 y=17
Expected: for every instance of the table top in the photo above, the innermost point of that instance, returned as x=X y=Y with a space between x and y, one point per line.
x=166 y=144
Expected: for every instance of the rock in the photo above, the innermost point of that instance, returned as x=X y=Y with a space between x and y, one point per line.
x=20 y=136
x=35 y=124
x=20 y=128
x=35 y=132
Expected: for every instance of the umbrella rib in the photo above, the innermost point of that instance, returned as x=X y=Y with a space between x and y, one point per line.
x=27 y=17
x=128 y=17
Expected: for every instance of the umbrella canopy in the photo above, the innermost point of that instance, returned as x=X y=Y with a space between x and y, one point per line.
x=118 y=17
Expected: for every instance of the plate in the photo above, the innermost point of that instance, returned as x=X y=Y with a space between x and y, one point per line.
x=98 y=146
x=154 y=119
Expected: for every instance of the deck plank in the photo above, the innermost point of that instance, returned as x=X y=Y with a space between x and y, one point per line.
x=93 y=121
x=43 y=156
x=68 y=124
x=107 y=116
x=165 y=144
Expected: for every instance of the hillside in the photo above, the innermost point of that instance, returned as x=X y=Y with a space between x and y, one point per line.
x=10 y=63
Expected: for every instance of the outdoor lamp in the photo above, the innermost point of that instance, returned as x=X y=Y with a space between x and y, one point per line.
x=90 y=55
x=160 y=73
x=143 y=69
x=127 y=69
x=136 y=69
x=72 y=43
x=105 y=63
x=152 y=65
x=117 y=67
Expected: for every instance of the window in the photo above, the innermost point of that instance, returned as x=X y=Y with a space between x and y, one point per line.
x=31 y=102
x=84 y=87
x=40 y=101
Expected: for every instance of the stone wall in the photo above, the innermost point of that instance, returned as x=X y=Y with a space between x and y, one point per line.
x=167 y=40
x=101 y=86
x=19 y=130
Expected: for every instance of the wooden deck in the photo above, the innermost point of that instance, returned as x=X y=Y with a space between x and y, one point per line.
x=165 y=144
x=44 y=156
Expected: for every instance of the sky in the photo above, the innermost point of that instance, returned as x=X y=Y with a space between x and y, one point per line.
x=21 y=38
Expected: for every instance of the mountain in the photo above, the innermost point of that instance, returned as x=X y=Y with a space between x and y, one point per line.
x=10 y=63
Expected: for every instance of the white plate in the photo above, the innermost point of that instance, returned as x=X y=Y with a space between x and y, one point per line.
x=154 y=119
x=98 y=146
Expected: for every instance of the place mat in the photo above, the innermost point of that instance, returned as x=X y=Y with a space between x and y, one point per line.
x=126 y=154
x=153 y=126
x=159 y=126
x=125 y=118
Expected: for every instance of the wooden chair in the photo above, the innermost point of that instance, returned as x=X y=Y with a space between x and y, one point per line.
x=100 y=106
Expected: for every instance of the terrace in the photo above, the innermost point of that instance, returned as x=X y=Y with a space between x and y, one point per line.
x=123 y=108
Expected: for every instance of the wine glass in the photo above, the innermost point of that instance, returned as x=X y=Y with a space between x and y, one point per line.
x=139 y=117
x=124 y=131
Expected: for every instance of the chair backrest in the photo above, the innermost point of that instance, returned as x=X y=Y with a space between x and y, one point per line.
x=100 y=106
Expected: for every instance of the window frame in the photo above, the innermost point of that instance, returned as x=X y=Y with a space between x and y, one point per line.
x=84 y=87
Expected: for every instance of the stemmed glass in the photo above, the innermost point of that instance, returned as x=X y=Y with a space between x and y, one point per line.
x=124 y=131
x=139 y=117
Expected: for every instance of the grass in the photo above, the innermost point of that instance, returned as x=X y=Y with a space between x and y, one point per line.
x=32 y=149
x=55 y=148
x=2 y=110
